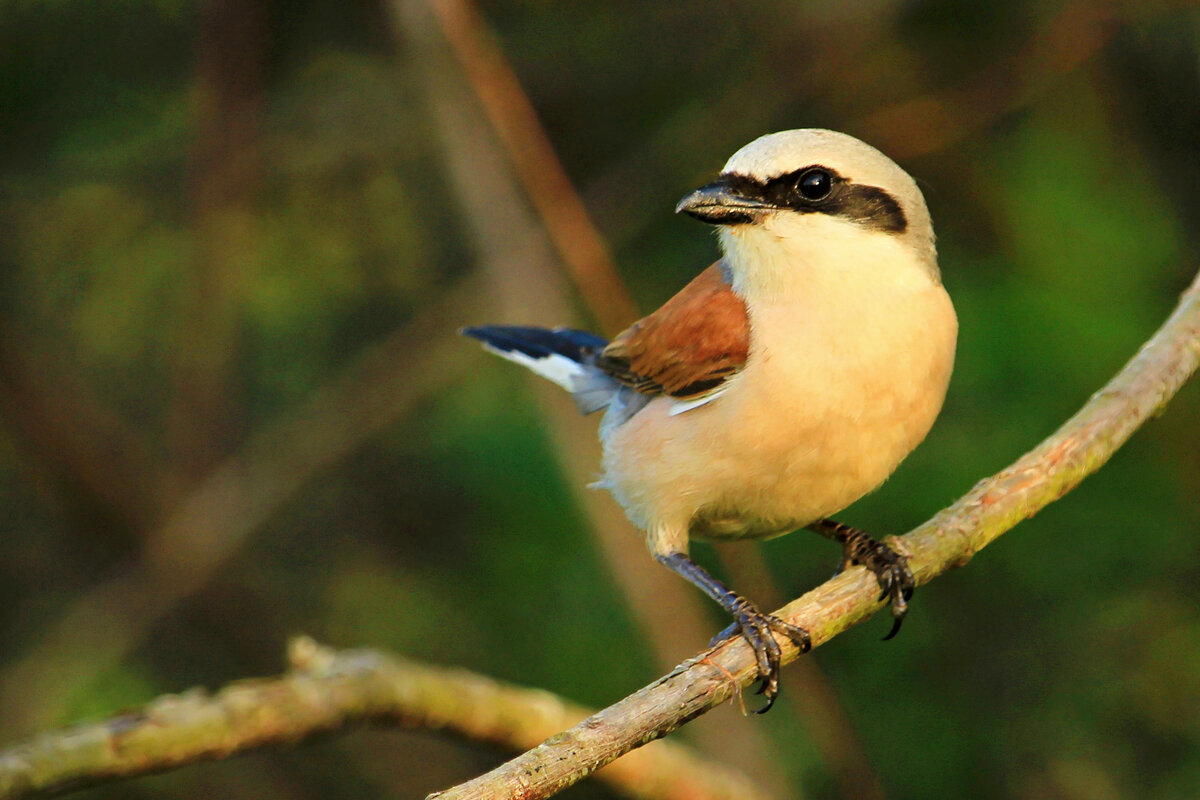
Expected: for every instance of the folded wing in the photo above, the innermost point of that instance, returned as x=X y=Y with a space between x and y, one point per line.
x=688 y=348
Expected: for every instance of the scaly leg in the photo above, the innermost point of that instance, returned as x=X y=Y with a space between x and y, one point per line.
x=756 y=627
x=890 y=568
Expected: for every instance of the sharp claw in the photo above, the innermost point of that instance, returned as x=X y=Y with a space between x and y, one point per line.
x=771 y=652
x=770 y=702
x=769 y=689
x=899 y=610
x=891 y=570
x=758 y=630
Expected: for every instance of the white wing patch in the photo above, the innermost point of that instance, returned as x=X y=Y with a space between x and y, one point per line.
x=682 y=406
x=558 y=369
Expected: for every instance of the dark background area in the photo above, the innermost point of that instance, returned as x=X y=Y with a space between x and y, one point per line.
x=236 y=240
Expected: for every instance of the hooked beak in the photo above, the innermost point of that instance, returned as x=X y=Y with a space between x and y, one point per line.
x=720 y=203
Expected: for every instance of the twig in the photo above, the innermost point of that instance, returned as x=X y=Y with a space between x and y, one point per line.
x=515 y=250
x=213 y=521
x=231 y=62
x=536 y=164
x=62 y=428
x=327 y=691
x=951 y=538
x=1069 y=41
x=811 y=695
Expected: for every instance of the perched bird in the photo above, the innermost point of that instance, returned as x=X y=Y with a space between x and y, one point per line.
x=785 y=381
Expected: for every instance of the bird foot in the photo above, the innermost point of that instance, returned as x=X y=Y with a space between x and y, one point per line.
x=758 y=630
x=896 y=581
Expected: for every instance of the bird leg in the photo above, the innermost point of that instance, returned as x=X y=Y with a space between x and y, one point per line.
x=756 y=628
x=891 y=569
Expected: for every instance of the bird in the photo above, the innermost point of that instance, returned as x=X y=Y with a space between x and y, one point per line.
x=784 y=382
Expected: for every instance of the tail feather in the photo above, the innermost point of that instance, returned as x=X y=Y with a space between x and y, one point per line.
x=561 y=355
x=539 y=342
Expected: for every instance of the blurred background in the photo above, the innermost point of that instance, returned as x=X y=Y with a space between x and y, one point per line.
x=236 y=240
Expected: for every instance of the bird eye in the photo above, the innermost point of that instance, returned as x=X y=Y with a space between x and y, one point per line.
x=815 y=184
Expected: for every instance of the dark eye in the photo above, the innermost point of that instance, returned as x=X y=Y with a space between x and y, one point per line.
x=815 y=184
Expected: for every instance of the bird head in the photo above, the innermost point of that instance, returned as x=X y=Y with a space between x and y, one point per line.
x=813 y=196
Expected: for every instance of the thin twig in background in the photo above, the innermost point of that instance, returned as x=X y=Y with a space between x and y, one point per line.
x=938 y=120
x=661 y=600
x=529 y=286
x=231 y=64
x=1077 y=449
x=536 y=164
x=63 y=430
x=1069 y=41
x=214 y=520
x=835 y=68
x=326 y=691
x=920 y=125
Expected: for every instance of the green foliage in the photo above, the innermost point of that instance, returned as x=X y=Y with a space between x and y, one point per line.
x=1064 y=662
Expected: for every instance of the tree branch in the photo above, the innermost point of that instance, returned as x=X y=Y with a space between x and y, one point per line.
x=1078 y=448
x=209 y=525
x=484 y=121
x=327 y=691
x=566 y=220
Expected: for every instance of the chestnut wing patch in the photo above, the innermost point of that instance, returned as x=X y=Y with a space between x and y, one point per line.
x=687 y=348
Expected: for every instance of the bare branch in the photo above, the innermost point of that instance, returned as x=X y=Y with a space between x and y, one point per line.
x=215 y=519
x=62 y=428
x=327 y=691
x=516 y=252
x=231 y=61
x=951 y=538
x=935 y=121
x=536 y=165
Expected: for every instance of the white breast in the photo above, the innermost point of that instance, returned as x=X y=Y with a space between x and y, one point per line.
x=849 y=363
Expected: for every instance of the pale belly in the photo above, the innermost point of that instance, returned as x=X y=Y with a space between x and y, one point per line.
x=802 y=433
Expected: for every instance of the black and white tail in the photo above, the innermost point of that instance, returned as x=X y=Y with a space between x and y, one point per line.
x=562 y=355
